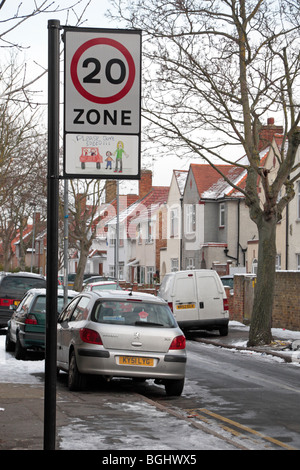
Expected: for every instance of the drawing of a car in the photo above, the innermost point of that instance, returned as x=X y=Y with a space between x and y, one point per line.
x=90 y=154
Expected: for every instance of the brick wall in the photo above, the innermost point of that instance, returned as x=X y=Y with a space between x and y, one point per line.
x=286 y=307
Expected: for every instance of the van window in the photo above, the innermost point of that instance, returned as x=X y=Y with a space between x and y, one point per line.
x=186 y=286
x=206 y=285
x=166 y=286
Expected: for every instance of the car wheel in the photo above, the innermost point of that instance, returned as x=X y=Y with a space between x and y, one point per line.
x=76 y=380
x=9 y=344
x=174 y=387
x=20 y=352
x=223 y=331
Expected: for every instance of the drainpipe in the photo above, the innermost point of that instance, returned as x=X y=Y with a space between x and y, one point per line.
x=287 y=238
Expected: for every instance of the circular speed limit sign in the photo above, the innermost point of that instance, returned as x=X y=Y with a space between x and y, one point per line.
x=102 y=81
x=102 y=70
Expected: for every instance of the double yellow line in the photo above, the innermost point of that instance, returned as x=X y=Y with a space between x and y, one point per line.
x=237 y=425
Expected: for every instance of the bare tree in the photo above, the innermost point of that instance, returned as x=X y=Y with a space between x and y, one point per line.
x=83 y=206
x=214 y=70
x=14 y=17
x=23 y=151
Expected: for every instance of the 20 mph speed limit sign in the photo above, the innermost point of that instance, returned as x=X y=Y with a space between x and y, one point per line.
x=102 y=101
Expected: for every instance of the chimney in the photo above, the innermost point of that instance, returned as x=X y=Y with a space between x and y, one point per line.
x=110 y=190
x=267 y=133
x=145 y=183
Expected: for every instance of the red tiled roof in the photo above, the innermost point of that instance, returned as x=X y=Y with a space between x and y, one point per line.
x=206 y=177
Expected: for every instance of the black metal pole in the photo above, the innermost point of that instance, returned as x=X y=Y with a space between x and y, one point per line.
x=52 y=235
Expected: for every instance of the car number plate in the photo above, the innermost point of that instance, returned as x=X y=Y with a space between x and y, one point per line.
x=184 y=306
x=136 y=361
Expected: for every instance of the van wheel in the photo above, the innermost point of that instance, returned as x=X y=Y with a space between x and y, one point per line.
x=223 y=331
x=76 y=380
x=20 y=352
x=174 y=387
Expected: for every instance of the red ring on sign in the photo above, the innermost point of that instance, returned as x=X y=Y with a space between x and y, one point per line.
x=89 y=96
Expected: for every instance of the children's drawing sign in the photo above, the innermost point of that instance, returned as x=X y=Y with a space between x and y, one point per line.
x=102 y=95
x=108 y=156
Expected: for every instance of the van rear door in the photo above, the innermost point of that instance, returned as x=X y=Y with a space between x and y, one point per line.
x=185 y=298
x=210 y=296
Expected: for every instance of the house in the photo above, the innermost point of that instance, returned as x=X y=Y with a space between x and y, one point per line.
x=171 y=249
x=288 y=229
x=213 y=216
x=136 y=253
x=98 y=260
x=217 y=228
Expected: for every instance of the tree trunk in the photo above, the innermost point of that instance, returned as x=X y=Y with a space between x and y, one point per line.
x=261 y=319
x=84 y=252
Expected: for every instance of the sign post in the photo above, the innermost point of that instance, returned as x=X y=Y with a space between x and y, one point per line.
x=102 y=128
x=102 y=103
x=52 y=235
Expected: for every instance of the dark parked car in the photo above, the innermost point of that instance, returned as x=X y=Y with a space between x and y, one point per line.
x=227 y=280
x=121 y=334
x=26 y=328
x=13 y=286
x=71 y=278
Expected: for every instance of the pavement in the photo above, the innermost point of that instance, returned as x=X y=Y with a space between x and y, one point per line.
x=284 y=347
x=22 y=405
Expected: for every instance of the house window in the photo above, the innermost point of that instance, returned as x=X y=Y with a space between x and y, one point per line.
x=254 y=266
x=112 y=239
x=278 y=262
x=150 y=272
x=298 y=261
x=174 y=223
x=149 y=232
x=141 y=274
x=222 y=215
x=298 y=201
x=174 y=264
x=139 y=233
x=190 y=263
x=190 y=218
x=112 y=270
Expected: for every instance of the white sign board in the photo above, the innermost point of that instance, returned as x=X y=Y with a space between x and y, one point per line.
x=102 y=102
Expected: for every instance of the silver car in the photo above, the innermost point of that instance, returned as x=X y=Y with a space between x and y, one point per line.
x=121 y=334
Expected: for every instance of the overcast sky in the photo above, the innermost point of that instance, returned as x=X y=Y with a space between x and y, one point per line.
x=33 y=35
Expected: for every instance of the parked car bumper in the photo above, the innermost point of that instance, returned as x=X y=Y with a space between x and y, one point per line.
x=210 y=324
x=32 y=339
x=108 y=363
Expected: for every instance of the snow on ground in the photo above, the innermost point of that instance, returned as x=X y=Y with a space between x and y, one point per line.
x=165 y=437
x=31 y=371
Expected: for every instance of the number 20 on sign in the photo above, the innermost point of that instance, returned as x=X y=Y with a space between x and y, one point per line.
x=102 y=81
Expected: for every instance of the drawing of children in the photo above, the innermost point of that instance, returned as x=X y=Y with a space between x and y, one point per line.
x=109 y=160
x=119 y=154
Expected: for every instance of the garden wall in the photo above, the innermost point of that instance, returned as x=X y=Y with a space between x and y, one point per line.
x=286 y=306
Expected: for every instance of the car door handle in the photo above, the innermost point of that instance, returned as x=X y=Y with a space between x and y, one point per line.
x=201 y=304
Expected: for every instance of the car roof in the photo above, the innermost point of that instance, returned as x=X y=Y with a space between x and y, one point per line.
x=21 y=273
x=124 y=295
x=101 y=283
x=60 y=292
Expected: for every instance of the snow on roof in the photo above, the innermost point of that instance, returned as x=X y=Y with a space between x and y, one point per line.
x=181 y=176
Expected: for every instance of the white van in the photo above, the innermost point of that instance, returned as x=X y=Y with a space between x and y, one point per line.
x=197 y=299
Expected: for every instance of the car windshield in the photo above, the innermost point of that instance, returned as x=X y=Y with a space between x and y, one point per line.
x=111 y=286
x=16 y=285
x=227 y=282
x=133 y=313
x=39 y=305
